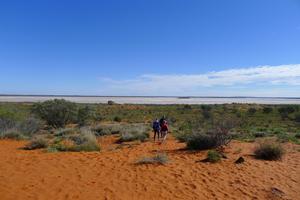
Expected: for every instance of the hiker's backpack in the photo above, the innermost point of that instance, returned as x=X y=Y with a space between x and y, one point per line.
x=156 y=125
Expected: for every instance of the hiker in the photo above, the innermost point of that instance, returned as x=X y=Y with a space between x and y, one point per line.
x=161 y=121
x=156 y=128
x=164 y=130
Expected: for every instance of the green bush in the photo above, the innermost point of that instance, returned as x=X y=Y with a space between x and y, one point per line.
x=181 y=137
x=128 y=137
x=213 y=156
x=110 y=102
x=65 y=131
x=251 y=111
x=57 y=113
x=37 y=143
x=269 y=151
x=117 y=119
x=297 y=118
x=83 y=116
x=201 y=141
x=30 y=126
x=12 y=134
x=259 y=134
x=6 y=123
x=267 y=110
x=297 y=135
x=85 y=141
x=157 y=159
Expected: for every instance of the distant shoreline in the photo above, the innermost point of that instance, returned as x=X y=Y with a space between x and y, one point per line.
x=151 y=100
x=181 y=97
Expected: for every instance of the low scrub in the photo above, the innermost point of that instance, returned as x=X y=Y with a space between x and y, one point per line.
x=157 y=159
x=19 y=129
x=65 y=131
x=128 y=137
x=30 y=126
x=201 y=141
x=209 y=140
x=13 y=133
x=213 y=156
x=38 y=143
x=269 y=151
x=181 y=137
x=84 y=141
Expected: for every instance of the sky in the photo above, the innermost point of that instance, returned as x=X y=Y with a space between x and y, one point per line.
x=150 y=47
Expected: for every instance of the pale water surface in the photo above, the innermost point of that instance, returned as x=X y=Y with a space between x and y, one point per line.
x=154 y=100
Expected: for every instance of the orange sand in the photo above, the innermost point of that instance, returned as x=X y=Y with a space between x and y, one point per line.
x=112 y=174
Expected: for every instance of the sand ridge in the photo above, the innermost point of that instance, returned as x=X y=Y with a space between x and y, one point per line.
x=113 y=174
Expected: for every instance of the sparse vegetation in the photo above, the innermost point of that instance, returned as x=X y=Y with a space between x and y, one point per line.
x=201 y=141
x=83 y=141
x=21 y=121
x=269 y=151
x=128 y=137
x=157 y=159
x=267 y=110
x=213 y=156
x=37 y=143
x=251 y=111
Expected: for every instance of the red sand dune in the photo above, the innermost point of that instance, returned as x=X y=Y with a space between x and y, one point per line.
x=112 y=174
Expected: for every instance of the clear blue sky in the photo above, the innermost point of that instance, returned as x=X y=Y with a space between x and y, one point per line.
x=110 y=47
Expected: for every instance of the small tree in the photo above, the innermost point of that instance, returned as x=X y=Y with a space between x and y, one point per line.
x=57 y=113
x=284 y=111
x=84 y=113
x=267 y=110
x=297 y=117
x=251 y=111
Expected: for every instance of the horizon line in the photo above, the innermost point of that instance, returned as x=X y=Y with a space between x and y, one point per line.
x=154 y=96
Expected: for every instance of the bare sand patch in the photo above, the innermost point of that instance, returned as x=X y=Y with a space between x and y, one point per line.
x=113 y=174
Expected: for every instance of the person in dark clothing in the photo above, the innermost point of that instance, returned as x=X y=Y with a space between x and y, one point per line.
x=164 y=130
x=156 y=128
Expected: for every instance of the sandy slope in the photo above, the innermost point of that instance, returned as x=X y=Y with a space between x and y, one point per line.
x=112 y=174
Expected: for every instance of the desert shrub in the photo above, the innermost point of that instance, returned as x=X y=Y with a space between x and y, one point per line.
x=213 y=156
x=269 y=151
x=12 y=134
x=251 y=111
x=83 y=115
x=187 y=107
x=297 y=118
x=57 y=113
x=65 y=131
x=284 y=111
x=101 y=130
x=128 y=137
x=157 y=159
x=181 y=137
x=110 y=102
x=6 y=123
x=37 y=143
x=206 y=107
x=287 y=109
x=282 y=137
x=218 y=136
x=29 y=126
x=267 y=110
x=206 y=114
x=85 y=141
x=117 y=119
x=201 y=141
x=259 y=134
